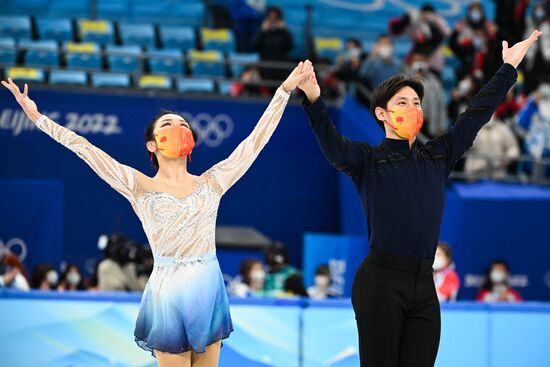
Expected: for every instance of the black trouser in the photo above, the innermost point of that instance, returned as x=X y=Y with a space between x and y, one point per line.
x=397 y=311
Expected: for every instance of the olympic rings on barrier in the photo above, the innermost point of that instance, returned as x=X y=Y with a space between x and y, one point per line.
x=16 y=241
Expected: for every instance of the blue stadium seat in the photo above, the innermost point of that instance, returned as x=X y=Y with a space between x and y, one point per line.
x=155 y=82
x=40 y=53
x=239 y=61
x=16 y=27
x=113 y=9
x=115 y=80
x=142 y=34
x=7 y=51
x=27 y=7
x=25 y=74
x=218 y=39
x=206 y=63
x=68 y=77
x=190 y=12
x=70 y=8
x=178 y=37
x=165 y=61
x=98 y=31
x=124 y=58
x=83 y=55
x=58 y=29
x=224 y=87
x=185 y=85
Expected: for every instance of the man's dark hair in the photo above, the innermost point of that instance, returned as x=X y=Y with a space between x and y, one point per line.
x=384 y=35
x=388 y=88
x=355 y=42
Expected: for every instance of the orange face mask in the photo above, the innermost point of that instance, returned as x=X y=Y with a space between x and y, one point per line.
x=175 y=141
x=406 y=122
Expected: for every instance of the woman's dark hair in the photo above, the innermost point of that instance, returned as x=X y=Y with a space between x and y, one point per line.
x=323 y=269
x=294 y=284
x=39 y=274
x=388 y=88
x=150 y=135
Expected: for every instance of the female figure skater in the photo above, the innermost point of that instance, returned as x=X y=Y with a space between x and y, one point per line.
x=401 y=184
x=184 y=311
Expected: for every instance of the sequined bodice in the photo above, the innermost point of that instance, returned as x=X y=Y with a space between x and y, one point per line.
x=180 y=226
x=177 y=227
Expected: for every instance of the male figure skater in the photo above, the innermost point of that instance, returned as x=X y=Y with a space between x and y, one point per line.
x=401 y=184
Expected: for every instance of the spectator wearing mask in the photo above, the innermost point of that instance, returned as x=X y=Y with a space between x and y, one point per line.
x=465 y=90
x=381 y=63
x=475 y=42
x=274 y=42
x=279 y=268
x=497 y=287
x=434 y=107
x=534 y=120
x=427 y=31
x=44 y=277
x=250 y=281
x=537 y=59
x=321 y=288
x=348 y=64
x=71 y=279
x=446 y=279
x=12 y=272
x=497 y=142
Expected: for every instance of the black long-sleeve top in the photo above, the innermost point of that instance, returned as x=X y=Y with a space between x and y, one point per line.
x=402 y=188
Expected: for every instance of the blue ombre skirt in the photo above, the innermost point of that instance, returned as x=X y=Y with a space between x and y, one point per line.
x=184 y=306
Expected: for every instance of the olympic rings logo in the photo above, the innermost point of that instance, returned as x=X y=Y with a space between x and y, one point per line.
x=14 y=243
x=211 y=130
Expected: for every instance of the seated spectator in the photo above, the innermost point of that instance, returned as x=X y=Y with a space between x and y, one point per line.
x=44 y=277
x=116 y=272
x=294 y=286
x=427 y=30
x=496 y=287
x=534 y=119
x=495 y=141
x=12 y=272
x=71 y=279
x=461 y=95
x=250 y=281
x=436 y=120
x=321 y=288
x=381 y=63
x=349 y=62
x=274 y=42
x=476 y=43
x=447 y=281
x=250 y=84
x=537 y=59
x=279 y=268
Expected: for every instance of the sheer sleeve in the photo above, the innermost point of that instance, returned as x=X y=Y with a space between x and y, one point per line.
x=228 y=171
x=120 y=177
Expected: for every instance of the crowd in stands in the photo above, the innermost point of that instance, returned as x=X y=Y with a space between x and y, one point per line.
x=272 y=276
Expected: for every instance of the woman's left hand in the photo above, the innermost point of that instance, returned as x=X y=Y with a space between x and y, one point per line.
x=300 y=72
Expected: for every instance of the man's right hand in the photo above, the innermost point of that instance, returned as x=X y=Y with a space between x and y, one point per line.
x=310 y=86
